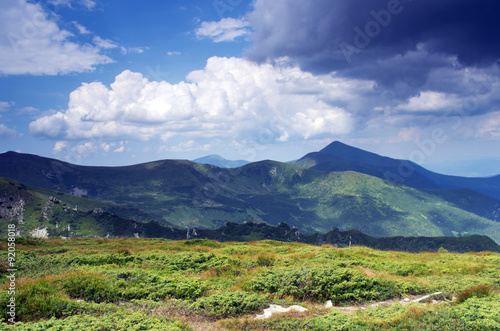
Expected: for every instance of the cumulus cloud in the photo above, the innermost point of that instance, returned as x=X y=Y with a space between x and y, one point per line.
x=60 y=146
x=227 y=29
x=230 y=98
x=431 y=101
x=32 y=43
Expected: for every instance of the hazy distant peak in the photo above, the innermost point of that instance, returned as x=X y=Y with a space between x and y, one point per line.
x=220 y=162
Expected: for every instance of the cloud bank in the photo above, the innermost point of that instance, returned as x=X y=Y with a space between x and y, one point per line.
x=230 y=98
x=392 y=42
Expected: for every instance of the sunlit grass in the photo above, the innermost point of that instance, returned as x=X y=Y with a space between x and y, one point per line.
x=178 y=280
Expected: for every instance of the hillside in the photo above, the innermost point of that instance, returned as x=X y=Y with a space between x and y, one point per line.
x=184 y=193
x=48 y=213
x=45 y=213
x=341 y=157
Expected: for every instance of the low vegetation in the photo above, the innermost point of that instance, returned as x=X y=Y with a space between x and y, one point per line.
x=159 y=284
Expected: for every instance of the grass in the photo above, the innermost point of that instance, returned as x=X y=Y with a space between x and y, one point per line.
x=208 y=285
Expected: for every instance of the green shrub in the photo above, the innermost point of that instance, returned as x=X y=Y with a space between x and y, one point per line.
x=180 y=288
x=202 y=242
x=479 y=313
x=330 y=322
x=229 y=304
x=120 y=321
x=35 y=300
x=265 y=260
x=91 y=287
x=316 y=283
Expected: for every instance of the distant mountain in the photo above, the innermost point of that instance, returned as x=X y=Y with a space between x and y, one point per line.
x=185 y=193
x=341 y=157
x=220 y=162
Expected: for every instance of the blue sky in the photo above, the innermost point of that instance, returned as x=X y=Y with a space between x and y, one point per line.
x=124 y=82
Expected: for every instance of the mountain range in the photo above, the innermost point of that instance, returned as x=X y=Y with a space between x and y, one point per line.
x=338 y=187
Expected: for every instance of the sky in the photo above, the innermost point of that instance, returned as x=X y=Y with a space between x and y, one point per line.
x=124 y=82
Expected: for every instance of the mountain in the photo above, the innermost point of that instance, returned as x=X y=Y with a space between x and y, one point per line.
x=45 y=213
x=184 y=193
x=220 y=162
x=341 y=157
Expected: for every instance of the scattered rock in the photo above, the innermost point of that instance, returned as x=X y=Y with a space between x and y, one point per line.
x=438 y=295
x=268 y=312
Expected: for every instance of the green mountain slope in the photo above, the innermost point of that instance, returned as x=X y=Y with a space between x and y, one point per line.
x=43 y=213
x=184 y=193
x=57 y=214
x=341 y=157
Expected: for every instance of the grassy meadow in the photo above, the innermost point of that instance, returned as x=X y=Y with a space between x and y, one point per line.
x=159 y=284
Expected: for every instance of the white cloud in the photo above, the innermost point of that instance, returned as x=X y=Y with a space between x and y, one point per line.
x=121 y=149
x=104 y=43
x=6 y=132
x=431 y=101
x=87 y=4
x=173 y=53
x=60 y=146
x=4 y=105
x=227 y=29
x=138 y=50
x=230 y=98
x=32 y=43
x=80 y=28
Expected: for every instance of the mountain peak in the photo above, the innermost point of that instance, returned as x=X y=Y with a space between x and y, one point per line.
x=345 y=151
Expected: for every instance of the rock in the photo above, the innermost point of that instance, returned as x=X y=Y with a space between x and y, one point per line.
x=268 y=312
x=436 y=294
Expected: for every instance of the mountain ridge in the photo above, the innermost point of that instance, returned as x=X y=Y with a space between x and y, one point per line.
x=340 y=157
x=184 y=193
x=54 y=214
